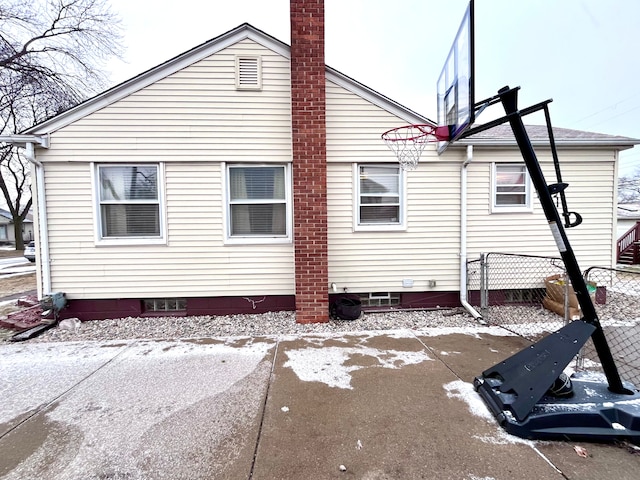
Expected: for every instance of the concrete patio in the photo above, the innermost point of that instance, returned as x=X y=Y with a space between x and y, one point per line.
x=372 y=405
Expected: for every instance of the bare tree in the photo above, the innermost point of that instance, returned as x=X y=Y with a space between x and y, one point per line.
x=629 y=188
x=51 y=54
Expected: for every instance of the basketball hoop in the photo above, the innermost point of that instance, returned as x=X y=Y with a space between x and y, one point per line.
x=409 y=141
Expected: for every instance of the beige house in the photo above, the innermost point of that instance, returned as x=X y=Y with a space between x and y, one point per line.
x=173 y=192
x=628 y=217
x=8 y=231
x=628 y=232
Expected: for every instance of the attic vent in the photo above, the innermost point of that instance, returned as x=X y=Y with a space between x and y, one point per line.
x=248 y=73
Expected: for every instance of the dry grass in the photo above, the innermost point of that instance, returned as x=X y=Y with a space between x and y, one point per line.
x=14 y=284
x=4 y=253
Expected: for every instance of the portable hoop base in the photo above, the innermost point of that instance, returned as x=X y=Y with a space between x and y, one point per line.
x=516 y=391
x=593 y=413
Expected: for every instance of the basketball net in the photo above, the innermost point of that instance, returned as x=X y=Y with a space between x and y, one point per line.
x=409 y=141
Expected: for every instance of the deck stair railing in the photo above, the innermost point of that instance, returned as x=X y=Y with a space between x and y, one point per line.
x=629 y=247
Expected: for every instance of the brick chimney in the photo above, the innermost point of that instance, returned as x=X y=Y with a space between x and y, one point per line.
x=309 y=134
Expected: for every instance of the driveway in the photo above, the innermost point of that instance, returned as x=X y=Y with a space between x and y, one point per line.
x=374 y=405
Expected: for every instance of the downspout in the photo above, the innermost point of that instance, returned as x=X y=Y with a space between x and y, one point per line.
x=41 y=208
x=463 y=236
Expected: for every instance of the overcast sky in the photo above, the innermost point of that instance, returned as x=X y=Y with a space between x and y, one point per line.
x=584 y=54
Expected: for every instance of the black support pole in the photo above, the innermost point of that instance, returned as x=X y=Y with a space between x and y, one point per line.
x=509 y=99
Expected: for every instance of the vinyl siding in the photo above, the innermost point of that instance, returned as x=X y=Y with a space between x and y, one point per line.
x=591 y=178
x=378 y=261
x=195 y=119
x=195 y=114
x=192 y=120
x=194 y=262
x=354 y=127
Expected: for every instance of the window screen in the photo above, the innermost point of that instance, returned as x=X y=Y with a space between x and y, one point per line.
x=511 y=185
x=257 y=201
x=129 y=201
x=379 y=195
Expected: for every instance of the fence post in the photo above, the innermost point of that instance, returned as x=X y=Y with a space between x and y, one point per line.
x=567 y=313
x=484 y=285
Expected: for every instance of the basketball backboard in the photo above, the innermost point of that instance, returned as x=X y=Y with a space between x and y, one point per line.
x=455 y=84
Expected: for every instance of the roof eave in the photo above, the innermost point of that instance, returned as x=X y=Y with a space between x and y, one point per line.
x=622 y=143
x=21 y=140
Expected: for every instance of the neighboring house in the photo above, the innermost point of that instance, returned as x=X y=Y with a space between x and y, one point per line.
x=628 y=228
x=7 y=228
x=187 y=190
x=628 y=216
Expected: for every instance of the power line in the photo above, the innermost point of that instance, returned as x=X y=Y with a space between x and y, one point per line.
x=611 y=106
x=608 y=119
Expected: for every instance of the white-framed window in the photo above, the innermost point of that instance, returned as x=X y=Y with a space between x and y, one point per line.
x=129 y=203
x=3 y=232
x=511 y=188
x=248 y=73
x=380 y=200
x=258 y=201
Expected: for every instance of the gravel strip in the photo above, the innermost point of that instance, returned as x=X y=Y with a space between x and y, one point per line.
x=271 y=323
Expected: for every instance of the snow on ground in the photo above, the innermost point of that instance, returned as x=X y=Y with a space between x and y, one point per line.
x=333 y=365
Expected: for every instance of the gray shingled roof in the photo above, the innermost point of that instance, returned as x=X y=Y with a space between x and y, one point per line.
x=630 y=211
x=502 y=135
x=7 y=214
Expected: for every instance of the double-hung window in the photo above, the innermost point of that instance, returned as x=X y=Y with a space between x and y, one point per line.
x=511 y=188
x=380 y=197
x=129 y=202
x=259 y=203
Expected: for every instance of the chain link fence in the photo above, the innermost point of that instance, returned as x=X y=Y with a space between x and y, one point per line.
x=618 y=309
x=531 y=297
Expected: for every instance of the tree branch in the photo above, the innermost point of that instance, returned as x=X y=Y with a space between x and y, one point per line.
x=51 y=52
